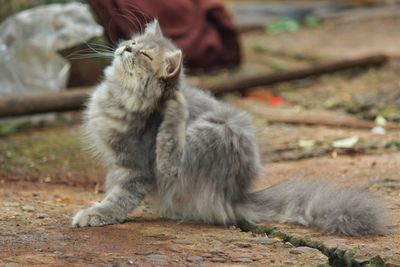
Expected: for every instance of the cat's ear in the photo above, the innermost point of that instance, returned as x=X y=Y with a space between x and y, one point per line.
x=154 y=28
x=173 y=64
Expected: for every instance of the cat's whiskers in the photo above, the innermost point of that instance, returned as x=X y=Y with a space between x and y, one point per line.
x=102 y=50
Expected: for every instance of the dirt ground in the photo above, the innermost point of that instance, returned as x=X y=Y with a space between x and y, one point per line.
x=46 y=176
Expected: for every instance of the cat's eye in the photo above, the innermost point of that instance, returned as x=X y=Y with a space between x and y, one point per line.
x=146 y=55
x=133 y=43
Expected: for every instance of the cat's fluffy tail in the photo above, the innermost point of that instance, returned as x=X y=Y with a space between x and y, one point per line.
x=327 y=207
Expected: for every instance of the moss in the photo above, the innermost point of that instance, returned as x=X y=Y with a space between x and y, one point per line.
x=348 y=258
x=392 y=113
x=376 y=261
x=392 y=143
x=277 y=66
x=336 y=257
x=43 y=152
x=13 y=127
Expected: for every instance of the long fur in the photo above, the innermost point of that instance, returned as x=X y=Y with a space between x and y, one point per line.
x=197 y=156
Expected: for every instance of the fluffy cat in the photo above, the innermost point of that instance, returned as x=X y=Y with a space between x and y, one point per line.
x=196 y=155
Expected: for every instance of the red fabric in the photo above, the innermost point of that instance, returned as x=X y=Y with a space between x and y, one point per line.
x=203 y=29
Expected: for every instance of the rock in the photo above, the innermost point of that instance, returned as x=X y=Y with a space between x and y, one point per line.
x=360 y=259
x=40 y=216
x=217 y=259
x=230 y=239
x=342 y=247
x=216 y=243
x=243 y=245
x=216 y=251
x=377 y=261
x=301 y=250
x=144 y=253
x=242 y=259
x=174 y=248
x=194 y=258
x=288 y=245
x=160 y=257
x=183 y=241
x=206 y=255
x=335 y=242
x=392 y=264
x=264 y=240
x=28 y=208
x=115 y=264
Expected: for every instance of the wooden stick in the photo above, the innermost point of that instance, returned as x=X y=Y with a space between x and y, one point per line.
x=291 y=116
x=240 y=84
x=44 y=102
x=75 y=99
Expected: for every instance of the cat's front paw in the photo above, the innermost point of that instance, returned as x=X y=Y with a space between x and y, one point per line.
x=177 y=101
x=95 y=216
x=176 y=107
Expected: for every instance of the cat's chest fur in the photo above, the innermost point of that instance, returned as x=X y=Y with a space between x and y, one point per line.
x=135 y=147
x=121 y=137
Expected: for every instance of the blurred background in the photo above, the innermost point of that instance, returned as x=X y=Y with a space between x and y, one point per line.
x=321 y=80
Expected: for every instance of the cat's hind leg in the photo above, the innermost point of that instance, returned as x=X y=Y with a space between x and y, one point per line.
x=206 y=167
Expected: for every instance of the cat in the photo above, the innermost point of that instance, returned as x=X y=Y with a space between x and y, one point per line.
x=197 y=156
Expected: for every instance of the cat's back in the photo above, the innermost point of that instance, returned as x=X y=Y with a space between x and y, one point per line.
x=198 y=101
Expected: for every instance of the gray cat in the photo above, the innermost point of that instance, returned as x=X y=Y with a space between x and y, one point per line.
x=195 y=155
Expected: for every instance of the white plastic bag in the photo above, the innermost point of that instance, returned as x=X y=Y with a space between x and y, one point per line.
x=29 y=42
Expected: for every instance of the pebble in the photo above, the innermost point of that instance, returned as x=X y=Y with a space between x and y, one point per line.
x=230 y=239
x=361 y=259
x=342 y=247
x=260 y=257
x=391 y=264
x=218 y=259
x=288 y=245
x=242 y=259
x=28 y=208
x=264 y=240
x=243 y=245
x=183 y=241
x=206 y=255
x=216 y=243
x=41 y=216
x=161 y=257
x=301 y=250
x=174 y=248
x=216 y=251
x=144 y=253
x=194 y=258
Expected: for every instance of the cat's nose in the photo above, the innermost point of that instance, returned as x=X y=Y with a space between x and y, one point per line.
x=128 y=49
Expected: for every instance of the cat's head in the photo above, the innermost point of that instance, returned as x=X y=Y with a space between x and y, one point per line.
x=148 y=61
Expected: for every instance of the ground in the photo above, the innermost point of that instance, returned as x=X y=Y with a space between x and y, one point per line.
x=46 y=175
